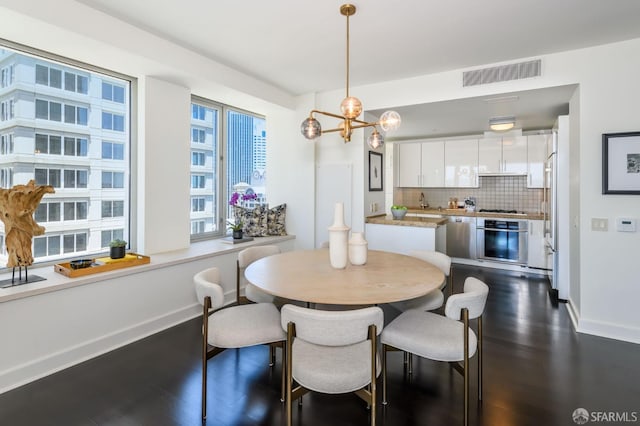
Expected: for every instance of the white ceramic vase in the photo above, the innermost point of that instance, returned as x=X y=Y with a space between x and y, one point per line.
x=338 y=239
x=357 y=249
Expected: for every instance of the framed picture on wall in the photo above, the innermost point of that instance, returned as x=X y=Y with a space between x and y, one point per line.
x=375 y=171
x=621 y=163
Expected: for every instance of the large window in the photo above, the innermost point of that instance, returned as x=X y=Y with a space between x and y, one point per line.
x=241 y=166
x=55 y=129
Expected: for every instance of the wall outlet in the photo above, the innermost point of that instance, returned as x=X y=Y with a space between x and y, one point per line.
x=599 y=224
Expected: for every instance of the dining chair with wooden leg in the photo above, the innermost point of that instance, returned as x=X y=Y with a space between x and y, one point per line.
x=233 y=326
x=331 y=352
x=245 y=258
x=432 y=300
x=441 y=338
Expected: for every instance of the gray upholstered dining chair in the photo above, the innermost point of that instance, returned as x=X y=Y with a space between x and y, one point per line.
x=233 y=326
x=331 y=352
x=434 y=299
x=441 y=338
x=245 y=258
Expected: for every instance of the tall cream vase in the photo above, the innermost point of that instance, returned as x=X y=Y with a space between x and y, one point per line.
x=339 y=239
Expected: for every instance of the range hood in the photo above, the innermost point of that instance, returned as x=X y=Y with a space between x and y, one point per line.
x=498 y=135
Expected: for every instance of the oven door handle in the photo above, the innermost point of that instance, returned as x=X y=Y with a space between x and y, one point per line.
x=502 y=230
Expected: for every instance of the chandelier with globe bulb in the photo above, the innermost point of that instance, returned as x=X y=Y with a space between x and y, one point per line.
x=351 y=108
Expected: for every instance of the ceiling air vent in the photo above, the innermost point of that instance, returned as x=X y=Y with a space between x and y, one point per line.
x=502 y=73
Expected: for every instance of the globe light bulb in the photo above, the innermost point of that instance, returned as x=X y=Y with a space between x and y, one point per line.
x=375 y=140
x=351 y=107
x=310 y=128
x=390 y=120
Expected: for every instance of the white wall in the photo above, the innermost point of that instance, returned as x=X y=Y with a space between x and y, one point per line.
x=604 y=287
x=51 y=331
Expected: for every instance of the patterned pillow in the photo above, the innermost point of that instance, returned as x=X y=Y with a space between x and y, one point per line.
x=254 y=221
x=276 y=220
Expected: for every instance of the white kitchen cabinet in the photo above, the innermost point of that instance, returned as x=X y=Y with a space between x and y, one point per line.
x=502 y=155
x=433 y=164
x=537 y=146
x=421 y=165
x=409 y=164
x=461 y=163
x=537 y=254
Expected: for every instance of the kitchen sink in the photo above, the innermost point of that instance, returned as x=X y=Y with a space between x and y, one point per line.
x=431 y=215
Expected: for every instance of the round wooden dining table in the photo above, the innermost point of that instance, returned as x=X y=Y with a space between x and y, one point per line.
x=307 y=276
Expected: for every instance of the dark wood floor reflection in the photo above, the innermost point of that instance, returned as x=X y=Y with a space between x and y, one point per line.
x=537 y=372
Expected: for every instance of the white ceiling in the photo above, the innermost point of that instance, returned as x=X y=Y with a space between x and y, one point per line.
x=299 y=46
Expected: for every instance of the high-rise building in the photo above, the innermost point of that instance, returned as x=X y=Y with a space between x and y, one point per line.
x=69 y=128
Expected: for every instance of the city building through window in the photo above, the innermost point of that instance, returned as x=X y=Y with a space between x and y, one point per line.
x=66 y=126
x=220 y=164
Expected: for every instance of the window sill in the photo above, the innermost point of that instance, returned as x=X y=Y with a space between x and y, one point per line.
x=196 y=251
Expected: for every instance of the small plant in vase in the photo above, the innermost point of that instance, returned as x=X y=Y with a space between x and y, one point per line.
x=117 y=249
x=236 y=229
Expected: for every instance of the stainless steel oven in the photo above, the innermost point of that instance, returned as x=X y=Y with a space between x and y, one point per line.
x=503 y=240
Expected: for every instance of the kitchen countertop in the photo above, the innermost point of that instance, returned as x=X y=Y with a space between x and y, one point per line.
x=433 y=222
x=463 y=212
x=424 y=222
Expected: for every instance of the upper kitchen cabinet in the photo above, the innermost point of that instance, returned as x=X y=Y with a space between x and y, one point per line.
x=421 y=165
x=409 y=166
x=461 y=163
x=506 y=155
x=536 y=158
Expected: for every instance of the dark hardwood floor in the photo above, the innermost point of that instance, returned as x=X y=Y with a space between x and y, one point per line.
x=537 y=372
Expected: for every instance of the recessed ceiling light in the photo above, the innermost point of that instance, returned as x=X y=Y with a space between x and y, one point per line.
x=501 y=124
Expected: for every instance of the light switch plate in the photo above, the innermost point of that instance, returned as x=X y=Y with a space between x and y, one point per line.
x=599 y=224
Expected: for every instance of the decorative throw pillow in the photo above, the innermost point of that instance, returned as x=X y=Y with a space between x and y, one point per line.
x=254 y=221
x=276 y=220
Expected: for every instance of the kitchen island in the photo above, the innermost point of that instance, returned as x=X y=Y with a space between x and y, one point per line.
x=385 y=233
x=454 y=232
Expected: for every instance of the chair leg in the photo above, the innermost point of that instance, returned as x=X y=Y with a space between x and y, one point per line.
x=480 y=358
x=384 y=374
x=237 y=282
x=465 y=319
x=289 y=402
x=373 y=335
x=205 y=330
x=283 y=389
x=272 y=355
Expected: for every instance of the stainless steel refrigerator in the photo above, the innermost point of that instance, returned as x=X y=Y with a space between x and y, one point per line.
x=556 y=196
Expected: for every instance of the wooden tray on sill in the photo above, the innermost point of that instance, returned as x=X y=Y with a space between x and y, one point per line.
x=102 y=264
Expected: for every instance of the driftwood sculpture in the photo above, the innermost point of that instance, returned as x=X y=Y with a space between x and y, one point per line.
x=16 y=211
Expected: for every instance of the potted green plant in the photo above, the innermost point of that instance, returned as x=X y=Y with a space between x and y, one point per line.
x=117 y=248
x=236 y=229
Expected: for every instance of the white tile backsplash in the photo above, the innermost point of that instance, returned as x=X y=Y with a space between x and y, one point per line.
x=495 y=192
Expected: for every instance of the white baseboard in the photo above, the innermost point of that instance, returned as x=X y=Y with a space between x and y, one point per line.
x=609 y=330
x=25 y=373
x=573 y=314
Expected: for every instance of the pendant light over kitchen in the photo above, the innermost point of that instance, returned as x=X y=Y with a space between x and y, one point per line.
x=350 y=109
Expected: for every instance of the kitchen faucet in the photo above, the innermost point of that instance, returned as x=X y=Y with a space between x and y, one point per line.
x=421 y=200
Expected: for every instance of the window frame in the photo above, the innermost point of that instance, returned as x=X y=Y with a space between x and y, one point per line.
x=84 y=73
x=219 y=192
